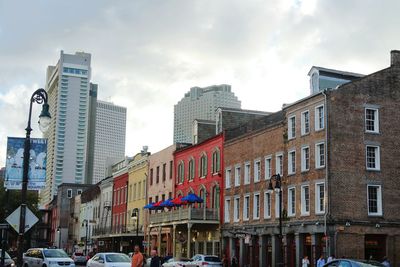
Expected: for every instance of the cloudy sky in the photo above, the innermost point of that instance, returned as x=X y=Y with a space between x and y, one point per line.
x=147 y=53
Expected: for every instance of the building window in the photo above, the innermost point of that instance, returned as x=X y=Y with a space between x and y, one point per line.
x=181 y=172
x=373 y=158
x=319 y=198
x=267 y=205
x=256 y=206
x=237 y=176
x=247 y=173
x=171 y=167
x=292 y=162
x=164 y=172
x=191 y=169
x=236 y=210
x=292 y=127
x=292 y=201
x=203 y=165
x=279 y=164
x=305 y=159
x=227 y=209
x=69 y=193
x=319 y=155
x=305 y=200
x=79 y=191
x=216 y=161
x=371 y=120
x=158 y=174
x=374 y=200
x=257 y=170
x=151 y=176
x=319 y=118
x=228 y=178
x=305 y=122
x=246 y=207
x=268 y=172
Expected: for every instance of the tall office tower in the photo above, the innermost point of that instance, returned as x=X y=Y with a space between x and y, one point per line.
x=109 y=140
x=67 y=84
x=91 y=133
x=200 y=103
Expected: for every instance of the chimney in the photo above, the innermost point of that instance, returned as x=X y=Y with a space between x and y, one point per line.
x=395 y=58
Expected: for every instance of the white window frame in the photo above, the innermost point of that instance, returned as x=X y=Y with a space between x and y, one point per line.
x=257 y=170
x=237 y=175
x=376 y=121
x=69 y=193
x=318 y=164
x=79 y=191
x=247 y=171
x=290 y=204
x=304 y=212
x=267 y=205
x=379 y=200
x=236 y=208
x=318 y=198
x=228 y=176
x=377 y=158
x=291 y=161
x=303 y=122
x=227 y=209
x=319 y=127
x=277 y=204
x=246 y=203
x=268 y=167
x=279 y=164
x=291 y=125
x=256 y=206
x=304 y=167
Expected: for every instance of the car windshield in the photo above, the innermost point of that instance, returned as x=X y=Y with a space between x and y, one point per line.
x=55 y=253
x=117 y=258
x=212 y=259
x=6 y=255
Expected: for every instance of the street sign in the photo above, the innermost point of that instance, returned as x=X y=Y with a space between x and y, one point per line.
x=30 y=219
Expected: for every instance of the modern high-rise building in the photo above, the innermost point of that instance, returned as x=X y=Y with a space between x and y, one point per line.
x=67 y=85
x=200 y=103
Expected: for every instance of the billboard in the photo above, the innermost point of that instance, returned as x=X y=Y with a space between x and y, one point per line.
x=37 y=163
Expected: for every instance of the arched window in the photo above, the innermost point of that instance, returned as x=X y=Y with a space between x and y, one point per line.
x=203 y=165
x=191 y=169
x=216 y=166
x=181 y=172
x=202 y=195
x=215 y=197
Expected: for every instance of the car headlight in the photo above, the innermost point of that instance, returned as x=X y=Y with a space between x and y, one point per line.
x=13 y=264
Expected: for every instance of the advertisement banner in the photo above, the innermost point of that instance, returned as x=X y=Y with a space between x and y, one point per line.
x=37 y=163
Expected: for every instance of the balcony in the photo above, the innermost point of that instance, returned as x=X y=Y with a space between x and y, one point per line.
x=199 y=215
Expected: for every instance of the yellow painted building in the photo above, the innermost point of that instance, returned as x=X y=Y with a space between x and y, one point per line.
x=138 y=171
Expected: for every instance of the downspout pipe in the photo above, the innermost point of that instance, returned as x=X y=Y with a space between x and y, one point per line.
x=327 y=200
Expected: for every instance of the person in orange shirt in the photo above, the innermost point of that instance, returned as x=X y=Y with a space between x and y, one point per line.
x=137 y=258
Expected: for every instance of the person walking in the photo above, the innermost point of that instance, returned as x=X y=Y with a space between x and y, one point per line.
x=305 y=262
x=137 y=258
x=234 y=262
x=155 y=260
x=331 y=258
x=321 y=261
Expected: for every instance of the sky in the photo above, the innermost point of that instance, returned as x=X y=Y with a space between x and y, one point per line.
x=147 y=53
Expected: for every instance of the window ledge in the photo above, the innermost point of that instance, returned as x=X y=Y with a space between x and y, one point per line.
x=373 y=170
x=377 y=215
x=291 y=174
x=305 y=214
x=267 y=218
x=305 y=134
x=257 y=181
x=304 y=171
x=371 y=132
x=202 y=177
x=320 y=167
x=319 y=130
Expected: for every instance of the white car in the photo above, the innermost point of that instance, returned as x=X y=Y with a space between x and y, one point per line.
x=43 y=257
x=173 y=262
x=109 y=259
x=209 y=260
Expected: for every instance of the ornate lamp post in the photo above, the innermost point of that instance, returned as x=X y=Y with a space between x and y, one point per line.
x=278 y=187
x=39 y=97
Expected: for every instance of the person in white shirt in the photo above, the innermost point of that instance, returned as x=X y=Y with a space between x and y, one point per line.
x=331 y=258
x=305 y=262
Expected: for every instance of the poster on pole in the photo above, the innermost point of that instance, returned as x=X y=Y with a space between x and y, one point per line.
x=37 y=163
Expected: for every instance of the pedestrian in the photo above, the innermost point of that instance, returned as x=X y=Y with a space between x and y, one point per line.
x=331 y=258
x=225 y=261
x=155 y=260
x=305 y=262
x=137 y=258
x=234 y=262
x=321 y=261
x=386 y=262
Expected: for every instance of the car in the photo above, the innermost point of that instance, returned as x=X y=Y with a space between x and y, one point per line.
x=353 y=263
x=109 y=259
x=209 y=260
x=79 y=258
x=8 y=262
x=44 y=257
x=174 y=262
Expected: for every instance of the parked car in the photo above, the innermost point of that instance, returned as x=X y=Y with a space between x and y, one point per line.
x=174 y=262
x=79 y=258
x=44 y=257
x=209 y=260
x=8 y=262
x=109 y=259
x=353 y=263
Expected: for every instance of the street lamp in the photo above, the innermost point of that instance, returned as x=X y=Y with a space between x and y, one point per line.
x=59 y=236
x=39 y=97
x=135 y=216
x=278 y=187
x=85 y=223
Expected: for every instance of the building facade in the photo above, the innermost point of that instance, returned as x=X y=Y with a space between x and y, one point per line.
x=200 y=103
